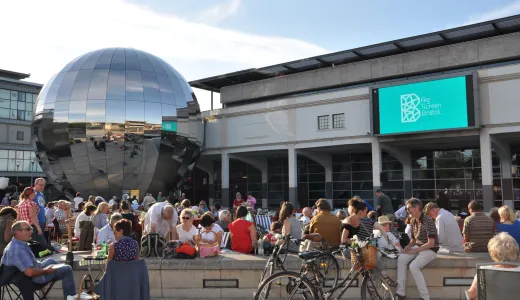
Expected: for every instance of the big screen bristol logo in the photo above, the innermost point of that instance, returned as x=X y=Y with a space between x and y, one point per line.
x=410 y=108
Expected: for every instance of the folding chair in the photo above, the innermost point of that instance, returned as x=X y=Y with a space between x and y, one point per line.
x=263 y=223
x=226 y=236
x=26 y=289
x=498 y=283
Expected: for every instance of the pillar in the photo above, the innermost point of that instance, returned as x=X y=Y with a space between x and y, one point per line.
x=211 y=188
x=293 y=175
x=376 y=168
x=487 y=168
x=503 y=150
x=225 y=179
x=265 y=204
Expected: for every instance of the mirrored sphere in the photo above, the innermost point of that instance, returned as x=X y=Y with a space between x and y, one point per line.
x=114 y=120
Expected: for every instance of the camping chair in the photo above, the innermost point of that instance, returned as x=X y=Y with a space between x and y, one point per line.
x=226 y=239
x=262 y=223
x=26 y=289
x=497 y=283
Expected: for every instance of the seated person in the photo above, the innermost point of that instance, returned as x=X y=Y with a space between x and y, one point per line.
x=273 y=236
x=106 y=234
x=243 y=232
x=502 y=248
x=83 y=216
x=387 y=243
x=326 y=224
x=208 y=243
x=224 y=218
x=125 y=248
x=19 y=254
x=186 y=231
x=8 y=216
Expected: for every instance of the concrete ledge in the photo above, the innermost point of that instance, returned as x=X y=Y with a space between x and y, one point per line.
x=183 y=278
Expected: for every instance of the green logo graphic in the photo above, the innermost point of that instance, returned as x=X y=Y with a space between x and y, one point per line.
x=431 y=105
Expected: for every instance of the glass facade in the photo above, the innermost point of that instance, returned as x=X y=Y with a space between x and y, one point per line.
x=277 y=181
x=352 y=175
x=311 y=181
x=98 y=125
x=18 y=161
x=16 y=105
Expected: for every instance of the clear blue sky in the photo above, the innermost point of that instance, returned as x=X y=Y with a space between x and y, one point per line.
x=342 y=24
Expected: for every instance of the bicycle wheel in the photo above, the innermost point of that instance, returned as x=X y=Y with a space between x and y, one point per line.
x=328 y=267
x=268 y=271
x=374 y=287
x=286 y=285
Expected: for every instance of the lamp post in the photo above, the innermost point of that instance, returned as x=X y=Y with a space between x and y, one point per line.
x=17 y=167
x=33 y=160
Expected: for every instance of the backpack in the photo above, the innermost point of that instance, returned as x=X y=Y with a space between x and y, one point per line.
x=152 y=243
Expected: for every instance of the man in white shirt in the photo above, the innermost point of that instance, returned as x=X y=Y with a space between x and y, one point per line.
x=448 y=230
x=307 y=216
x=106 y=234
x=77 y=200
x=161 y=218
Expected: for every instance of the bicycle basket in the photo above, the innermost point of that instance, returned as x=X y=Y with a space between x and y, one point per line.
x=367 y=257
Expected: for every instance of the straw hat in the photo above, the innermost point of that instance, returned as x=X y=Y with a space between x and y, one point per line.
x=383 y=220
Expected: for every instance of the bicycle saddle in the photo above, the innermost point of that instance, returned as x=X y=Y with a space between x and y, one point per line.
x=310 y=255
x=313 y=237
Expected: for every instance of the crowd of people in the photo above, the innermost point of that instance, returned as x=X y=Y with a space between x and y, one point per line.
x=427 y=229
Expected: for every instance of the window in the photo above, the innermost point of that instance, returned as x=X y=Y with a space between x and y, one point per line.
x=338 y=121
x=19 y=135
x=323 y=122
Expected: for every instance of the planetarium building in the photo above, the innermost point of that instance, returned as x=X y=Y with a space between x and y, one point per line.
x=435 y=115
x=117 y=120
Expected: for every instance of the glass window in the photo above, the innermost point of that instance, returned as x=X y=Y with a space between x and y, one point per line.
x=165 y=86
x=116 y=85
x=118 y=59
x=134 y=85
x=4 y=153
x=27 y=154
x=28 y=97
x=4 y=113
x=12 y=154
x=115 y=111
x=5 y=103
x=21 y=106
x=323 y=122
x=181 y=97
x=19 y=154
x=61 y=112
x=26 y=166
x=152 y=113
x=144 y=62
x=21 y=96
x=19 y=135
x=14 y=114
x=135 y=111
x=169 y=110
x=3 y=164
x=29 y=106
x=338 y=121
x=66 y=86
x=14 y=104
x=14 y=96
x=11 y=165
x=77 y=111
x=105 y=59
x=5 y=94
x=131 y=60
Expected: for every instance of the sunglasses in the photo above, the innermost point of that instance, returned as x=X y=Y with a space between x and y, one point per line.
x=186 y=218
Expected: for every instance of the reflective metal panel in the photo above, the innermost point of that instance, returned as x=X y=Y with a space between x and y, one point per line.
x=117 y=119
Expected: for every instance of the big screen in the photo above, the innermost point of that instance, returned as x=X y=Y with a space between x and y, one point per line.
x=424 y=106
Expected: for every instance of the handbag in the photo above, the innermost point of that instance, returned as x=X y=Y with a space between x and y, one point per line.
x=185 y=251
x=82 y=295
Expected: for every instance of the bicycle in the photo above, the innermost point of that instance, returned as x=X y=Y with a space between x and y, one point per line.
x=324 y=267
x=299 y=286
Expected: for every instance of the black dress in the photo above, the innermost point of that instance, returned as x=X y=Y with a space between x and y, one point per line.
x=351 y=229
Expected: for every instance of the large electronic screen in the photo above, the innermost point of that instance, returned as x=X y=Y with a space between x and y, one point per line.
x=440 y=104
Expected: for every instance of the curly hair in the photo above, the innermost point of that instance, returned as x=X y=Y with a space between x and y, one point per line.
x=503 y=247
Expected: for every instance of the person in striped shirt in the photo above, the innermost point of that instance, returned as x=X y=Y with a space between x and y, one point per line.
x=478 y=229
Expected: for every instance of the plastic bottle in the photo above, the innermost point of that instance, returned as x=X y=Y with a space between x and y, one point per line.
x=260 y=246
x=104 y=248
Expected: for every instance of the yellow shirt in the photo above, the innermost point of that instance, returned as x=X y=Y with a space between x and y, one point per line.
x=328 y=226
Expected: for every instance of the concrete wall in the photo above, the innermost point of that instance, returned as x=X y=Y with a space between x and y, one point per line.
x=8 y=134
x=435 y=59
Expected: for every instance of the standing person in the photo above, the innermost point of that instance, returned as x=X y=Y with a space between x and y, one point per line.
x=385 y=204
x=77 y=200
x=160 y=197
x=148 y=200
x=5 y=201
x=448 y=230
x=421 y=250
x=251 y=200
x=28 y=211
x=237 y=202
x=39 y=199
x=478 y=229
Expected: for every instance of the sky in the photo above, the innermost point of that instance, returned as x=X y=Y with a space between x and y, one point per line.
x=205 y=38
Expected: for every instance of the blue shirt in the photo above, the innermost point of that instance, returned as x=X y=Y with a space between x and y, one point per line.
x=370 y=208
x=18 y=254
x=512 y=229
x=40 y=201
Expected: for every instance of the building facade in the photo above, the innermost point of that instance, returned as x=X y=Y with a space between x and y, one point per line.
x=332 y=126
x=17 y=156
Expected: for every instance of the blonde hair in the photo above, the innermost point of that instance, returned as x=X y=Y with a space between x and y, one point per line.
x=187 y=211
x=506 y=214
x=65 y=202
x=100 y=208
x=503 y=247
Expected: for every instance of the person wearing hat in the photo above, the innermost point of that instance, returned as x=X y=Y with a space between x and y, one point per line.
x=388 y=243
x=448 y=230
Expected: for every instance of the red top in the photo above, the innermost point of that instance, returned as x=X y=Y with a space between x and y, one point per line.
x=24 y=210
x=240 y=237
x=238 y=202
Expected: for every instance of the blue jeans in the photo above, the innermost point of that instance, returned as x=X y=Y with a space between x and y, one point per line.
x=64 y=274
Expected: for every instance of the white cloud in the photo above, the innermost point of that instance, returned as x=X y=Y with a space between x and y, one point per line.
x=510 y=9
x=41 y=37
x=219 y=12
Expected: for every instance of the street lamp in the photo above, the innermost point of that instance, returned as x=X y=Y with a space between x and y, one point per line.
x=17 y=167
x=33 y=160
